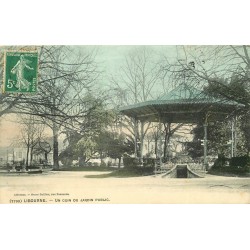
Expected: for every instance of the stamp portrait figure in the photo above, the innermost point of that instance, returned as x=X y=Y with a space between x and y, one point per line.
x=18 y=69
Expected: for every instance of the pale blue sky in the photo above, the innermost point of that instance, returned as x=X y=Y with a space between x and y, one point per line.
x=112 y=58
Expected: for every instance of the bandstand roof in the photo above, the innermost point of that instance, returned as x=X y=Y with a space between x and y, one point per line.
x=184 y=104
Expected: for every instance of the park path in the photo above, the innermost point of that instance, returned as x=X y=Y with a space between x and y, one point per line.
x=68 y=186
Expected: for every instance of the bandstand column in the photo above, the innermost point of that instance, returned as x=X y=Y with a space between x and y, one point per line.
x=205 y=143
x=142 y=141
x=160 y=143
x=233 y=137
x=136 y=123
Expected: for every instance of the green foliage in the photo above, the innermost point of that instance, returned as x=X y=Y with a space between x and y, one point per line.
x=237 y=165
x=85 y=147
x=132 y=162
x=194 y=148
x=218 y=136
x=98 y=117
x=125 y=173
x=113 y=145
x=106 y=143
x=103 y=164
x=220 y=162
x=245 y=127
x=235 y=89
x=67 y=156
x=233 y=170
x=240 y=161
x=83 y=143
x=149 y=162
x=86 y=168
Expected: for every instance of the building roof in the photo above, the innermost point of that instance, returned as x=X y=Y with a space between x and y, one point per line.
x=184 y=104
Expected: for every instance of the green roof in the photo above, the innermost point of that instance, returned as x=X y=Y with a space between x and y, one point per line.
x=182 y=103
x=183 y=92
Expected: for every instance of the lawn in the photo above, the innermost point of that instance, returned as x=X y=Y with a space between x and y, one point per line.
x=80 y=169
x=123 y=173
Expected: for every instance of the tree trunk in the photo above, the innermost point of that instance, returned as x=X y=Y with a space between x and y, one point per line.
x=46 y=157
x=165 y=146
x=142 y=141
x=166 y=139
x=31 y=155
x=156 y=148
x=101 y=155
x=82 y=161
x=55 y=146
x=27 y=156
x=119 y=163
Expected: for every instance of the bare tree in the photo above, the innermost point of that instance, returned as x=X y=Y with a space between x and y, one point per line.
x=169 y=130
x=215 y=65
x=222 y=71
x=32 y=132
x=66 y=76
x=135 y=83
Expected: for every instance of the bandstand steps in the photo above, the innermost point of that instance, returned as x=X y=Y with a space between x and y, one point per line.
x=181 y=171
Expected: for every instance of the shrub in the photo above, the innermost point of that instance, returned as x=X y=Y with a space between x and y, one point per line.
x=130 y=162
x=237 y=165
x=220 y=162
x=240 y=161
x=95 y=164
x=240 y=164
x=89 y=164
x=144 y=171
x=103 y=164
x=149 y=162
x=238 y=169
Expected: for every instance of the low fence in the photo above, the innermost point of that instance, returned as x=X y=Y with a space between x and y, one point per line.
x=154 y=164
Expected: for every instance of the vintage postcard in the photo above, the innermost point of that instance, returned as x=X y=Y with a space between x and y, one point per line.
x=124 y=124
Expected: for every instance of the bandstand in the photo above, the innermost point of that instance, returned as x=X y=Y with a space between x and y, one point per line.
x=184 y=104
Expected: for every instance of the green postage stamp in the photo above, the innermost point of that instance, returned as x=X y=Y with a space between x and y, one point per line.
x=20 y=71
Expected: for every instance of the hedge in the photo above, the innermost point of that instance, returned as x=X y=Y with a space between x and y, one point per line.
x=132 y=162
x=237 y=165
x=240 y=161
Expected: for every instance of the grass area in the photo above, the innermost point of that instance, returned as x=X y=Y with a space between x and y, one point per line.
x=228 y=174
x=123 y=173
x=5 y=168
x=80 y=169
x=112 y=172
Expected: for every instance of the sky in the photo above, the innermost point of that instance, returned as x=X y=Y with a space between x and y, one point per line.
x=8 y=131
x=110 y=58
x=113 y=56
